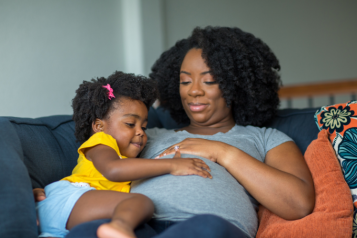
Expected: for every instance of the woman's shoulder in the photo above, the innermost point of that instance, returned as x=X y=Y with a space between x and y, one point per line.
x=265 y=138
x=265 y=133
x=262 y=130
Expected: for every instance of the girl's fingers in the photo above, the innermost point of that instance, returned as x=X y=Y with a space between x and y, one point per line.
x=205 y=166
x=202 y=164
x=203 y=173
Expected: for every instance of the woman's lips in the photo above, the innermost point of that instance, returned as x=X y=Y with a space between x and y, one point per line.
x=197 y=107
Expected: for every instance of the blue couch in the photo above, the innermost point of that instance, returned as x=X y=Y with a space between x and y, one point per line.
x=36 y=152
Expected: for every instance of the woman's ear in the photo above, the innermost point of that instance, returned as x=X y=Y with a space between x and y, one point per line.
x=98 y=125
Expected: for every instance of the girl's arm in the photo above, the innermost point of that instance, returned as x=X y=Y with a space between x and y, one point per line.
x=283 y=184
x=108 y=163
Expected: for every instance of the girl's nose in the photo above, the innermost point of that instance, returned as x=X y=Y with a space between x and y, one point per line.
x=140 y=132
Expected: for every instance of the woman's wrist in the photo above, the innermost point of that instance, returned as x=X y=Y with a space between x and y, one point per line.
x=229 y=155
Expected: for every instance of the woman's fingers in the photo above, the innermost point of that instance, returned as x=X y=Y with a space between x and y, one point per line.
x=170 y=150
x=177 y=154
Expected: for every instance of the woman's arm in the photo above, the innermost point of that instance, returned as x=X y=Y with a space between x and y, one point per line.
x=283 y=184
x=108 y=163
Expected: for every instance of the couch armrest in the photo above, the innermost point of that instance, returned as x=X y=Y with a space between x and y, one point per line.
x=18 y=215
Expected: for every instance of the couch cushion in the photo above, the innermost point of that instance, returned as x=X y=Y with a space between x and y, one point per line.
x=17 y=216
x=298 y=124
x=49 y=148
x=165 y=119
x=153 y=119
x=332 y=215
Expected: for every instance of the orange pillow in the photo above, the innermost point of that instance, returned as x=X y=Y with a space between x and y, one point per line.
x=332 y=215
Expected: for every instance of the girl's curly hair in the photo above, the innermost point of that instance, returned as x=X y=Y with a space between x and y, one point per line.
x=92 y=102
x=243 y=65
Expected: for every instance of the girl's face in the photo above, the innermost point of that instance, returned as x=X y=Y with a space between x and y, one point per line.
x=201 y=97
x=126 y=123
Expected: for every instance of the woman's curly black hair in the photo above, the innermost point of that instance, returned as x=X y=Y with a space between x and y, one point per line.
x=92 y=102
x=244 y=66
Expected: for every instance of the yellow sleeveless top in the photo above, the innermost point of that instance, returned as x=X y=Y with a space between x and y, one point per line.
x=87 y=173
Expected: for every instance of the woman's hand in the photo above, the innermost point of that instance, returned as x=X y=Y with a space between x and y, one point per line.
x=189 y=166
x=212 y=150
x=39 y=194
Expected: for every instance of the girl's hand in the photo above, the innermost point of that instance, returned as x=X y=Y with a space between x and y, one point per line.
x=189 y=166
x=39 y=194
x=212 y=150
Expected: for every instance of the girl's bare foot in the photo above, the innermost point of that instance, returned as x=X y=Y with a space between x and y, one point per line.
x=115 y=229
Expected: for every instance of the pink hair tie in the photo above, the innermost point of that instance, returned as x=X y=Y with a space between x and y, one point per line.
x=110 y=91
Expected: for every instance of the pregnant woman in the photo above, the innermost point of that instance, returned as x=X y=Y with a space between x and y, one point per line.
x=222 y=83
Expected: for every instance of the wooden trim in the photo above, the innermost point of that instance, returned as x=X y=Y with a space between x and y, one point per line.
x=319 y=88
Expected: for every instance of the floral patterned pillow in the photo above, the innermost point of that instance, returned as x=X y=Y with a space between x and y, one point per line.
x=341 y=122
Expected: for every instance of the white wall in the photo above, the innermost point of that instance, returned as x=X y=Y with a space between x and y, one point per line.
x=153 y=31
x=48 y=47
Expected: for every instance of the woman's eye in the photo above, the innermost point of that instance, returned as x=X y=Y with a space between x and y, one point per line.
x=184 y=83
x=211 y=82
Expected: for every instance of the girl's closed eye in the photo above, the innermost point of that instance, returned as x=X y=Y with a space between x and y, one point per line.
x=131 y=125
x=144 y=128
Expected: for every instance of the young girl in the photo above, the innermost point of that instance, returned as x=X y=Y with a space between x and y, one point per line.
x=110 y=118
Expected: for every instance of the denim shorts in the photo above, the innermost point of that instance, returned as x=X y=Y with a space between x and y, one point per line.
x=54 y=211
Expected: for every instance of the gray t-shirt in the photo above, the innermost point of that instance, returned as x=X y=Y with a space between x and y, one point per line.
x=178 y=198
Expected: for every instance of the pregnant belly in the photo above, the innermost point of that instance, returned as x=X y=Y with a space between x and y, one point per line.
x=177 y=198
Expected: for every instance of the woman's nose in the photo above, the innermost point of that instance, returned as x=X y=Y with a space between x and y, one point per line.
x=196 y=90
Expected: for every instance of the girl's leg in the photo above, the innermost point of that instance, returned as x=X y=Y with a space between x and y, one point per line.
x=127 y=210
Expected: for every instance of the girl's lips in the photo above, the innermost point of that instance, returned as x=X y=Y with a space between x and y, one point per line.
x=197 y=107
x=137 y=145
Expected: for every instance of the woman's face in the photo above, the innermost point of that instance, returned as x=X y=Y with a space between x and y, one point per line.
x=200 y=94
